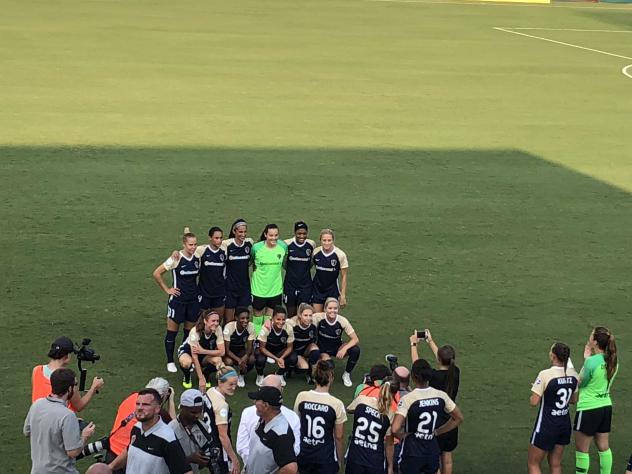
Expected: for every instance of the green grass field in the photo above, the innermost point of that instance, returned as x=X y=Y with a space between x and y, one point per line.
x=479 y=182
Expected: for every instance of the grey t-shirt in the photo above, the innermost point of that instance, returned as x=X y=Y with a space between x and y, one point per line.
x=188 y=445
x=53 y=429
x=271 y=446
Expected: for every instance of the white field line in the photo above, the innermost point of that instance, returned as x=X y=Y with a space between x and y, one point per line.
x=568 y=29
x=492 y=4
x=624 y=70
x=627 y=71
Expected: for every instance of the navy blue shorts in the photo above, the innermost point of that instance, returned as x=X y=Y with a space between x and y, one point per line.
x=313 y=468
x=422 y=465
x=212 y=302
x=320 y=296
x=295 y=296
x=180 y=312
x=234 y=299
x=548 y=437
x=354 y=468
x=448 y=441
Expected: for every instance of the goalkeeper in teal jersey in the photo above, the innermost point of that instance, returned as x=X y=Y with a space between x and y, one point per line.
x=594 y=408
x=266 y=283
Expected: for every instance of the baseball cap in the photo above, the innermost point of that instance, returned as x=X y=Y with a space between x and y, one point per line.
x=62 y=344
x=270 y=395
x=191 y=398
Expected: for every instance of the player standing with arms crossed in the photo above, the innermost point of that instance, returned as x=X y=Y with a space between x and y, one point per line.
x=594 y=409
x=268 y=256
x=297 y=286
x=330 y=262
x=553 y=390
x=237 y=247
x=183 y=303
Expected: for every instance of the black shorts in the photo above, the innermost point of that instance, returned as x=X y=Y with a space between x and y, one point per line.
x=330 y=350
x=319 y=296
x=448 y=441
x=354 y=468
x=593 y=421
x=239 y=298
x=212 y=302
x=181 y=312
x=548 y=437
x=421 y=465
x=313 y=468
x=295 y=296
x=186 y=349
x=261 y=302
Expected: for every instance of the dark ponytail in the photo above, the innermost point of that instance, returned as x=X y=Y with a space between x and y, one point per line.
x=605 y=341
x=214 y=229
x=323 y=373
x=266 y=229
x=238 y=222
x=447 y=355
x=562 y=352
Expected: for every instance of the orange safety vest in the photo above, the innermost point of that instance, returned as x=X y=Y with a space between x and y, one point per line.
x=374 y=392
x=123 y=424
x=41 y=387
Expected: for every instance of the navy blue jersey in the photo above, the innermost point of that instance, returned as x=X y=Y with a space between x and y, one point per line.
x=184 y=273
x=216 y=412
x=237 y=265
x=237 y=340
x=319 y=413
x=212 y=282
x=206 y=341
x=329 y=334
x=366 y=443
x=556 y=389
x=328 y=266
x=298 y=264
x=277 y=341
x=303 y=337
x=421 y=410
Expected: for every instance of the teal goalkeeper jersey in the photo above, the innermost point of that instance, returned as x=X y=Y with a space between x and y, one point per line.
x=267 y=279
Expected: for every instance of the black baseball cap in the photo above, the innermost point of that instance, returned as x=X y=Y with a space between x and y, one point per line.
x=61 y=346
x=271 y=395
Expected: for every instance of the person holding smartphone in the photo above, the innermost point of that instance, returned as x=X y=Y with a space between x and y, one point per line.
x=446 y=378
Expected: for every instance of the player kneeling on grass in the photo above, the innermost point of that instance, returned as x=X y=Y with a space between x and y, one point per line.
x=305 y=348
x=204 y=349
x=276 y=344
x=553 y=390
x=330 y=326
x=415 y=423
x=239 y=336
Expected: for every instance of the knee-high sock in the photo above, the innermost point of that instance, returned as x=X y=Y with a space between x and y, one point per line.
x=352 y=359
x=170 y=344
x=185 y=334
x=605 y=462
x=582 y=462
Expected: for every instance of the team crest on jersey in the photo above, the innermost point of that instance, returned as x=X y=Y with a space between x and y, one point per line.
x=197 y=264
x=311 y=334
x=334 y=263
x=338 y=332
x=283 y=340
x=279 y=256
x=247 y=250
x=308 y=252
x=222 y=257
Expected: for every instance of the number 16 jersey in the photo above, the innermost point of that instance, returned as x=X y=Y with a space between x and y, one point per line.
x=319 y=412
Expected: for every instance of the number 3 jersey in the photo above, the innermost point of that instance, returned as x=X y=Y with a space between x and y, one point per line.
x=421 y=410
x=319 y=412
x=556 y=389
x=366 y=443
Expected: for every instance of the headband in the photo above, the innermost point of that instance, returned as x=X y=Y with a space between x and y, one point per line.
x=239 y=223
x=228 y=375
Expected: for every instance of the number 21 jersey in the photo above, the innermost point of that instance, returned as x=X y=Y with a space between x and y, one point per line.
x=319 y=412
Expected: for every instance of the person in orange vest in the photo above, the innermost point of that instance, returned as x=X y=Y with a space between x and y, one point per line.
x=126 y=417
x=60 y=355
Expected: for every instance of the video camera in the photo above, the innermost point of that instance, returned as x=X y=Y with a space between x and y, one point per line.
x=85 y=353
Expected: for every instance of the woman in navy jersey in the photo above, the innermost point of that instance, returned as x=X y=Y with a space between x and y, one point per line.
x=553 y=390
x=305 y=334
x=330 y=326
x=371 y=440
x=276 y=343
x=212 y=281
x=297 y=285
x=416 y=423
x=446 y=378
x=239 y=336
x=237 y=247
x=322 y=419
x=183 y=303
x=330 y=262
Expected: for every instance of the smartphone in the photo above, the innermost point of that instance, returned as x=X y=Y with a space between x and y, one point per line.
x=421 y=334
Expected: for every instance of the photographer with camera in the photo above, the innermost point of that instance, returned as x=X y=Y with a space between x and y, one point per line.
x=60 y=355
x=446 y=379
x=53 y=429
x=189 y=431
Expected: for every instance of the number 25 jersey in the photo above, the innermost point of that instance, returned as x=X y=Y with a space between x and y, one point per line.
x=319 y=412
x=421 y=409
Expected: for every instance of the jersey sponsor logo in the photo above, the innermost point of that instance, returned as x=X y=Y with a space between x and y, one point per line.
x=298 y=259
x=213 y=264
x=325 y=269
x=189 y=272
x=365 y=444
x=562 y=412
x=238 y=257
x=316 y=407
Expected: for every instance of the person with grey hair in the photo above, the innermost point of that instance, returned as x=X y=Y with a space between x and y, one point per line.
x=250 y=418
x=272 y=444
x=99 y=468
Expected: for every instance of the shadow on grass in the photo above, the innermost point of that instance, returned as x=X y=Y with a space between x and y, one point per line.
x=499 y=251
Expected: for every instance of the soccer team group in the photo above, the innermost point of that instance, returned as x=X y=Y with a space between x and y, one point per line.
x=296 y=289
